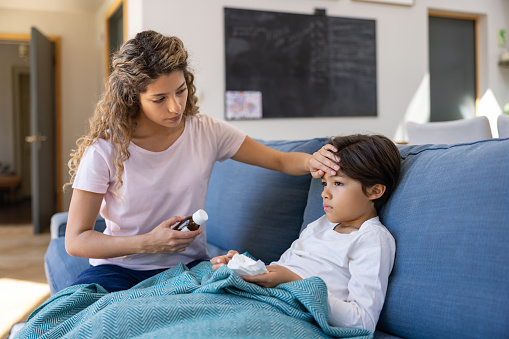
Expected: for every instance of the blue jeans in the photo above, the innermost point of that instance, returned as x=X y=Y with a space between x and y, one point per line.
x=116 y=278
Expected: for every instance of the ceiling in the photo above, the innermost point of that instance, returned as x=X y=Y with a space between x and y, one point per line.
x=90 y=6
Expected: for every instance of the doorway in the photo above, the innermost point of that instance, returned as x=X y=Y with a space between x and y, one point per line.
x=15 y=115
x=15 y=103
x=452 y=67
x=21 y=111
x=15 y=202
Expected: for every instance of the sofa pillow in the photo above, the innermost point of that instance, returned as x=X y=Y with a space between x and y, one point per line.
x=257 y=210
x=450 y=217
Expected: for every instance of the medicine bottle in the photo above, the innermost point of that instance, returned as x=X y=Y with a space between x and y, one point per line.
x=193 y=222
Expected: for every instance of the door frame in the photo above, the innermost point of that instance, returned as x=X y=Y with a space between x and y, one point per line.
x=109 y=13
x=58 y=137
x=475 y=18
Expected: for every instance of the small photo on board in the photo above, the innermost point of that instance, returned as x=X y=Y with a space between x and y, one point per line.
x=243 y=105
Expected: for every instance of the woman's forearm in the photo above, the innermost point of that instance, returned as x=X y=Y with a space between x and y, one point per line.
x=93 y=244
x=295 y=163
x=254 y=153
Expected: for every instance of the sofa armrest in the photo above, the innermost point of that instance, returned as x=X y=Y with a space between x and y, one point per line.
x=62 y=269
x=59 y=223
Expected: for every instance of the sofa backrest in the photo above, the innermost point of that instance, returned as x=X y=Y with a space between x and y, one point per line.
x=257 y=210
x=450 y=218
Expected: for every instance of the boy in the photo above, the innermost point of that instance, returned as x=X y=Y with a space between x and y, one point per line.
x=348 y=248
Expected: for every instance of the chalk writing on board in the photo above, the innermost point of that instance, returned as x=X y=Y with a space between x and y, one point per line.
x=304 y=65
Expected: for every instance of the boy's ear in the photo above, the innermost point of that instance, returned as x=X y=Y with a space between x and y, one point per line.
x=375 y=191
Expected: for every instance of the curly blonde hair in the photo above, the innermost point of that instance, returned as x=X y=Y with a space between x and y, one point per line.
x=138 y=63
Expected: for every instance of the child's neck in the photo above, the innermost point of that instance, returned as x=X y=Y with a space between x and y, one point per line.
x=349 y=227
x=345 y=229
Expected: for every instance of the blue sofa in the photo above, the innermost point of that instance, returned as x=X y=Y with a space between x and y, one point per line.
x=449 y=216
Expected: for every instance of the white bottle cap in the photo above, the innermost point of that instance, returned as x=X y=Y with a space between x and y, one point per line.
x=200 y=217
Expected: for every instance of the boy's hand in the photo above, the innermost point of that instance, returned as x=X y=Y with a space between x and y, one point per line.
x=324 y=160
x=222 y=260
x=277 y=275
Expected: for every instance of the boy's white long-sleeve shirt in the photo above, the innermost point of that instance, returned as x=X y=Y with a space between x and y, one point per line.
x=355 y=267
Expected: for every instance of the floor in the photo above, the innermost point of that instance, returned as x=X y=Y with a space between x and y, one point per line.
x=23 y=285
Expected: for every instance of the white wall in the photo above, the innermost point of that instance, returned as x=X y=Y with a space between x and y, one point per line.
x=402 y=53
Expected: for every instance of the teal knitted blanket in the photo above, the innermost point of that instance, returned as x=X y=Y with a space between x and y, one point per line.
x=183 y=303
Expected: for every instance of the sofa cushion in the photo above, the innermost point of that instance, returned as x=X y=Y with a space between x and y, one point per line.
x=449 y=216
x=246 y=216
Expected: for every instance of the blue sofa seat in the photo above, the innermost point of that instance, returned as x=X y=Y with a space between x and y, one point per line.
x=449 y=216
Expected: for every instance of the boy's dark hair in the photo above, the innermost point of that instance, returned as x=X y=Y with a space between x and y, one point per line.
x=369 y=159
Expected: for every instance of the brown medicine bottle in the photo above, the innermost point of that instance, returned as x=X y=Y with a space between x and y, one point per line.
x=193 y=222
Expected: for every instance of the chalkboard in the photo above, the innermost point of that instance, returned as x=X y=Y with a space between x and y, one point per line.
x=303 y=65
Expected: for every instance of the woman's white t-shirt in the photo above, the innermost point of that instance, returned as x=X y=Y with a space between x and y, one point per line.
x=158 y=186
x=355 y=267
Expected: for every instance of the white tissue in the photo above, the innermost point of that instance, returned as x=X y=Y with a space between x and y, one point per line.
x=243 y=265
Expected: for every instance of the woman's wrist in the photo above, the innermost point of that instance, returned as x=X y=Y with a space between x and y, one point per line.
x=142 y=244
